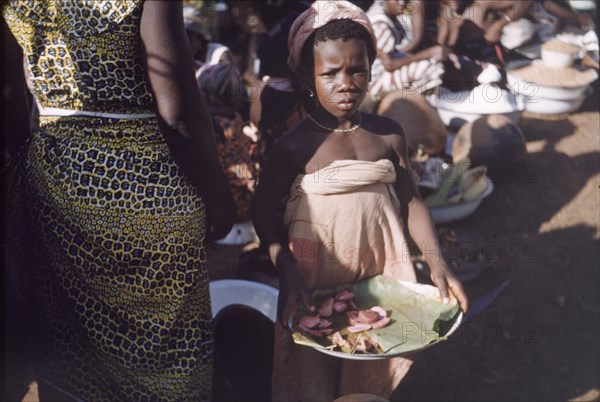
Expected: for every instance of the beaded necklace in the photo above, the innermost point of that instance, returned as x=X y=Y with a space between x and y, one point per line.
x=338 y=130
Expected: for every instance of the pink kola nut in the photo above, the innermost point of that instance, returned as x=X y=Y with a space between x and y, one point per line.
x=324 y=324
x=309 y=321
x=326 y=308
x=367 y=317
x=359 y=327
x=344 y=295
x=317 y=333
x=318 y=15
x=339 y=306
x=381 y=323
x=380 y=311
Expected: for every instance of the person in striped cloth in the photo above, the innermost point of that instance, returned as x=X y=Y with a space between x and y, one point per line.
x=403 y=58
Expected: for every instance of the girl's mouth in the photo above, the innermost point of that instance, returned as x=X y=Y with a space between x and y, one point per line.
x=346 y=104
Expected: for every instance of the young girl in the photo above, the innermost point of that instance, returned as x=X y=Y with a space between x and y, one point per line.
x=350 y=191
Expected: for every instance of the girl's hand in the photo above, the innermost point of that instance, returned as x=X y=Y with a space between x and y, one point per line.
x=292 y=289
x=448 y=284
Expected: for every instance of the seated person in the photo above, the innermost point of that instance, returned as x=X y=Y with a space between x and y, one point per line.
x=472 y=31
x=275 y=74
x=551 y=16
x=205 y=52
x=281 y=108
x=275 y=99
x=476 y=31
x=565 y=12
x=403 y=57
x=223 y=88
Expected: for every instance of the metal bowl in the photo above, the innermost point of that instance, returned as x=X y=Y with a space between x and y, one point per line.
x=452 y=212
x=553 y=106
x=533 y=90
x=455 y=120
x=458 y=108
x=227 y=292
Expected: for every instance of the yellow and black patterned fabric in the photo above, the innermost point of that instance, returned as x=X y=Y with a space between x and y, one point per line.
x=119 y=282
x=83 y=55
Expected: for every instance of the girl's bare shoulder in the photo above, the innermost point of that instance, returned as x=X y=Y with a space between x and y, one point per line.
x=381 y=125
x=299 y=140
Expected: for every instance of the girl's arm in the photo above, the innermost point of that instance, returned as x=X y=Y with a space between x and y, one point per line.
x=275 y=182
x=421 y=227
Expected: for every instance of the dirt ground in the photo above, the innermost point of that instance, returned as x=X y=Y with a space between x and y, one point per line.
x=539 y=340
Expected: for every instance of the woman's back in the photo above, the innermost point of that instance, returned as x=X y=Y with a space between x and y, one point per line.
x=83 y=55
x=119 y=207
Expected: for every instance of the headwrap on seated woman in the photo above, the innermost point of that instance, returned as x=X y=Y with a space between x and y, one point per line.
x=222 y=86
x=318 y=15
x=280 y=99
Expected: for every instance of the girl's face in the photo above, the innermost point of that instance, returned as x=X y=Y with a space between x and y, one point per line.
x=341 y=75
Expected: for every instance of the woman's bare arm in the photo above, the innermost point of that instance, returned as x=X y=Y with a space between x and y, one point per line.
x=583 y=19
x=416 y=9
x=510 y=10
x=449 y=24
x=436 y=52
x=185 y=121
x=15 y=101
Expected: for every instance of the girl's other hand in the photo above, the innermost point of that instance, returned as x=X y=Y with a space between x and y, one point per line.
x=292 y=289
x=448 y=284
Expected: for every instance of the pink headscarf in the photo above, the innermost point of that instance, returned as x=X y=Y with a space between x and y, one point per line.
x=318 y=15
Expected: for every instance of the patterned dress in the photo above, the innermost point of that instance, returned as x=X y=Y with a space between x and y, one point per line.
x=238 y=164
x=119 y=283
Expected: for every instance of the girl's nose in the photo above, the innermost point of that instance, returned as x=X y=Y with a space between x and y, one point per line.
x=345 y=82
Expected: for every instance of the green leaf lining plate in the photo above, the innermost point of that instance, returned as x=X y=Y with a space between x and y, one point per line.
x=419 y=319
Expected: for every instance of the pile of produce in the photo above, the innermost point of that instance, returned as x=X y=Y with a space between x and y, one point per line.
x=343 y=324
x=442 y=183
x=567 y=77
x=374 y=318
